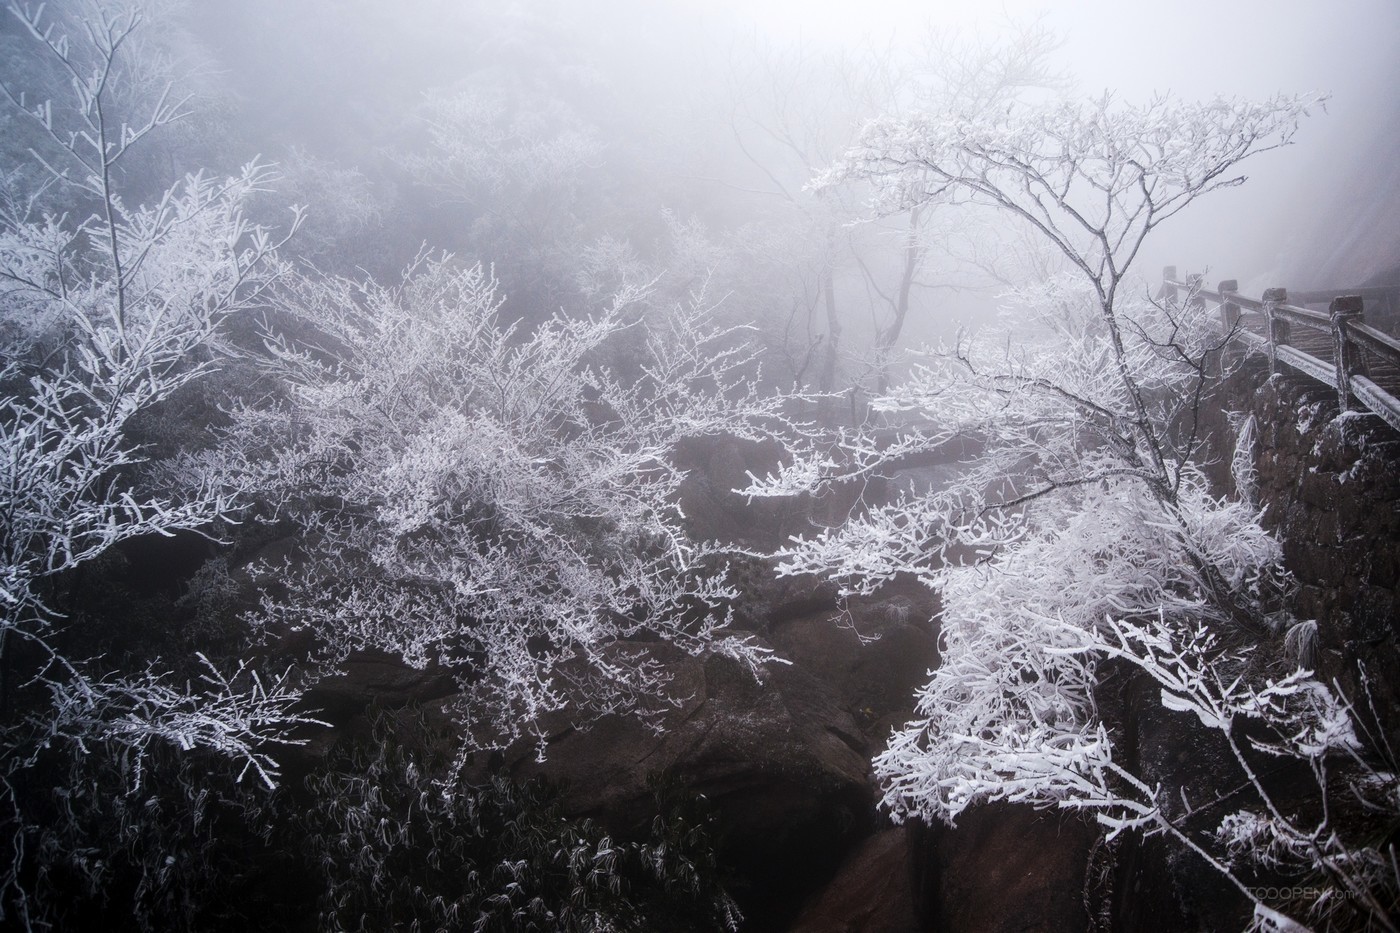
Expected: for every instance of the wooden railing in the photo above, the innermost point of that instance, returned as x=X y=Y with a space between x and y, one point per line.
x=1335 y=347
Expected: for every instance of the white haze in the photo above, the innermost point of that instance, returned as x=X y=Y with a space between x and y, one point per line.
x=1269 y=231
x=307 y=75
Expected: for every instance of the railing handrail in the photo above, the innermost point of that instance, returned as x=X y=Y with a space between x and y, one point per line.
x=1379 y=342
x=1343 y=321
x=1303 y=315
x=1324 y=295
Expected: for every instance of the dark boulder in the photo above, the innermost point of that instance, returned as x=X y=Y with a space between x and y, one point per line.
x=872 y=654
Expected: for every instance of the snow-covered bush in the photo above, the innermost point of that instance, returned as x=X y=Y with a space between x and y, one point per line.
x=396 y=846
x=495 y=502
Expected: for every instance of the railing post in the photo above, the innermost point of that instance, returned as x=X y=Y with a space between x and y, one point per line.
x=1278 y=327
x=1195 y=282
x=1168 y=292
x=1229 y=311
x=1345 y=309
x=1229 y=325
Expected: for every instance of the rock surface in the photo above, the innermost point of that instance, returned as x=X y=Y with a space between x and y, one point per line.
x=1008 y=869
x=871 y=654
x=875 y=890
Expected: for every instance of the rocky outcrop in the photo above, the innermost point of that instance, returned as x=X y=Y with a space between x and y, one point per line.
x=784 y=761
x=1010 y=868
x=871 y=654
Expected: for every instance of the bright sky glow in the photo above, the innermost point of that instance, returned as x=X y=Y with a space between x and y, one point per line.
x=1192 y=48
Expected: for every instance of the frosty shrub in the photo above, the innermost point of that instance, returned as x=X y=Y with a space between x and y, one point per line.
x=494 y=502
x=397 y=846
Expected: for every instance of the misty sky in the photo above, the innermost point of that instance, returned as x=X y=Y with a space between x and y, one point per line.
x=1319 y=214
x=1197 y=49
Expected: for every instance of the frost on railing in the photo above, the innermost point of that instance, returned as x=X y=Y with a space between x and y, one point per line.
x=1337 y=348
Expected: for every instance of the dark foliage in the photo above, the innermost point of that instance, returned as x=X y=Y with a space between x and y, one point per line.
x=401 y=844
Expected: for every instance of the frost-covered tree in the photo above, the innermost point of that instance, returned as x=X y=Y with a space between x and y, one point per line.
x=795 y=109
x=1086 y=530
x=1093 y=181
x=107 y=309
x=498 y=502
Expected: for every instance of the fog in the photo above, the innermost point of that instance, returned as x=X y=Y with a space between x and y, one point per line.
x=679 y=138
x=1296 y=220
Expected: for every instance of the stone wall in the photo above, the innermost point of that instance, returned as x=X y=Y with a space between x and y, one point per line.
x=1331 y=486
